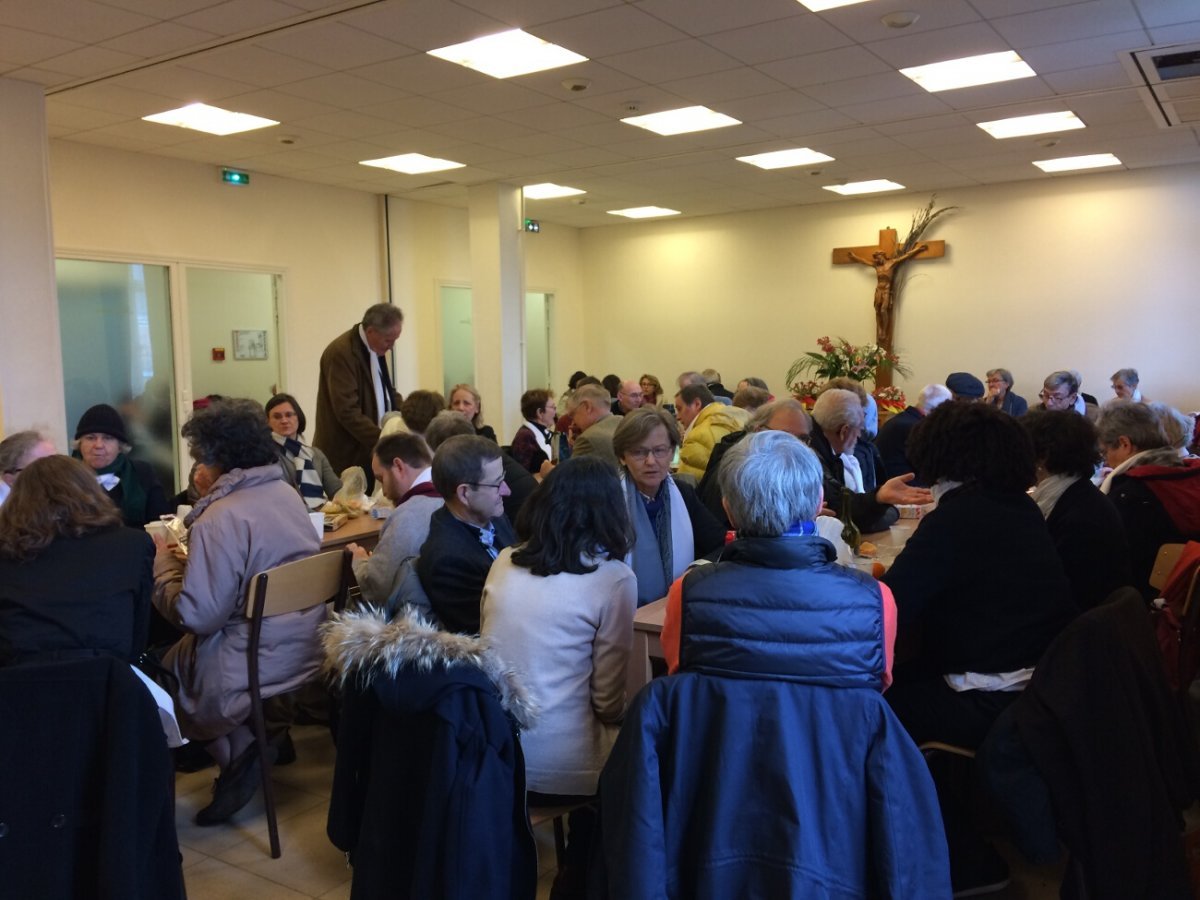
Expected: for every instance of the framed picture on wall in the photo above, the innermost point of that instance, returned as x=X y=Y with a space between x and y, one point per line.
x=249 y=345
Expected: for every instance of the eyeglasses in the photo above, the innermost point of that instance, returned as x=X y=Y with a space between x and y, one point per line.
x=641 y=454
x=484 y=484
x=1046 y=397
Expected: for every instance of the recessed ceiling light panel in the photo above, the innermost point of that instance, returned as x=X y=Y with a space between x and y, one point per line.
x=682 y=121
x=412 y=163
x=643 y=212
x=864 y=187
x=970 y=71
x=508 y=54
x=210 y=119
x=1071 y=163
x=821 y=5
x=1022 y=126
x=782 y=159
x=548 y=191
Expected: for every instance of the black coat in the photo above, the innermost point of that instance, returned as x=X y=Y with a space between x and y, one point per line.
x=428 y=791
x=984 y=607
x=1110 y=742
x=452 y=567
x=709 y=488
x=87 y=593
x=892 y=442
x=1090 y=539
x=85 y=785
x=867 y=512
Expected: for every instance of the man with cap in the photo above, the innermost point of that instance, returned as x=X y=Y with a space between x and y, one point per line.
x=101 y=442
x=964 y=386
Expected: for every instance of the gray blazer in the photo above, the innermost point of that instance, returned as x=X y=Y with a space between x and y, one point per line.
x=598 y=440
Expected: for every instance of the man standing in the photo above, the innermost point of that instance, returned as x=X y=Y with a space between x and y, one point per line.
x=355 y=390
x=401 y=463
x=466 y=534
x=16 y=452
x=705 y=421
x=591 y=413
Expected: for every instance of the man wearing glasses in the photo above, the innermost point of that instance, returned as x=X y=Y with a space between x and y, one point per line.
x=16 y=452
x=466 y=534
x=1060 y=391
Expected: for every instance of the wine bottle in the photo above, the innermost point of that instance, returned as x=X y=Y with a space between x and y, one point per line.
x=850 y=533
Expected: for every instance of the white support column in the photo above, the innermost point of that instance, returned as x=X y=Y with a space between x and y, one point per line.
x=31 y=377
x=498 y=303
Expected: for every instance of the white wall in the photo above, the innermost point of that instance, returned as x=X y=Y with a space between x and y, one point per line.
x=1091 y=272
x=325 y=240
x=220 y=302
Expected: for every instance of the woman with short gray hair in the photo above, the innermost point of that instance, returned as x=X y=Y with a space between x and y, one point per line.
x=770 y=483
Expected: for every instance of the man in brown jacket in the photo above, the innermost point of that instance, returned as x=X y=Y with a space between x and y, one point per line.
x=355 y=389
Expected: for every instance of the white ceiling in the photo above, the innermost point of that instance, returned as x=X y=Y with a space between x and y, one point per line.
x=351 y=81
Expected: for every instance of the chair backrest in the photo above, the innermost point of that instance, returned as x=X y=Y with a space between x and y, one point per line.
x=297 y=585
x=1164 y=563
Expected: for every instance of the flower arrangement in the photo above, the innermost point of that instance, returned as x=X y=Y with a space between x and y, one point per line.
x=841 y=358
x=891 y=399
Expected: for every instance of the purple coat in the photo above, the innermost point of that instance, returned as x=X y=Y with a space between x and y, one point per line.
x=251 y=521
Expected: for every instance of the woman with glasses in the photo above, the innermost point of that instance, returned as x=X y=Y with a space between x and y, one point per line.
x=652 y=390
x=1000 y=393
x=559 y=608
x=671 y=527
x=531 y=444
x=309 y=467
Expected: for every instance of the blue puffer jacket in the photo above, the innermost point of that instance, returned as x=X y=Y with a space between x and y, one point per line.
x=770 y=765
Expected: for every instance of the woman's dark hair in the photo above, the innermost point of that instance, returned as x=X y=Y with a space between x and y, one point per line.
x=232 y=434
x=280 y=399
x=973 y=442
x=419 y=408
x=573 y=381
x=611 y=383
x=56 y=496
x=533 y=401
x=1063 y=441
x=577 y=511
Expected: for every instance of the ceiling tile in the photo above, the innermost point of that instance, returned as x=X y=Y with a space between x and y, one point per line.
x=340 y=88
x=769 y=106
x=253 y=65
x=424 y=24
x=794 y=36
x=894 y=108
x=525 y=13
x=618 y=29
x=22 y=47
x=1087 y=79
x=493 y=96
x=483 y=129
x=862 y=21
x=116 y=98
x=700 y=17
x=181 y=83
x=830 y=65
x=417 y=111
x=420 y=72
x=1059 y=56
x=76 y=20
x=159 y=40
x=1167 y=35
x=726 y=85
x=277 y=105
x=989 y=95
x=1081 y=20
x=937 y=46
x=862 y=90
x=1166 y=12
x=815 y=123
x=675 y=60
x=556 y=117
x=162 y=9
x=35 y=75
x=90 y=61
x=240 y=16
x=334 y=46
x=79 y=118
x=347 y=124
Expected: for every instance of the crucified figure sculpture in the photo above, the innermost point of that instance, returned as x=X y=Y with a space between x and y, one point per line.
x=885 y=274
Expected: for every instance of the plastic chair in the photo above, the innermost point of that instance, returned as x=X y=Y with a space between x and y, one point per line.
x=288 y=588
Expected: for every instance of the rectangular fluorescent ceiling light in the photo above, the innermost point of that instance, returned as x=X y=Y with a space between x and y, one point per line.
x=970 y=71
x=209 y=119
x=782 y=159
x=682 y=121
x=1044 y=123
x=412 y=163
x=821 y=5
x=643 y=212
x=508 y=53
x=864 y=187
x=548 y=191
x=1071 y=163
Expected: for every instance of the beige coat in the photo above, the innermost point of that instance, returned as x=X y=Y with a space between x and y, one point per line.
x=251 y=521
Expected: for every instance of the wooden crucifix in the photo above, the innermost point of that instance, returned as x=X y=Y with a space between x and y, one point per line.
x=886 y=259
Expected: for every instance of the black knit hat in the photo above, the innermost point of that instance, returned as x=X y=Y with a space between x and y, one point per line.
x=102 y=419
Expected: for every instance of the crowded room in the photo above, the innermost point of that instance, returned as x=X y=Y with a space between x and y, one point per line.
x=507 y=449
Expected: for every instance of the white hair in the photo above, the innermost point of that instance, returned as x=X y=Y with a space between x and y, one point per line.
x=770 y=481
x=836 y=407
x=933 y=396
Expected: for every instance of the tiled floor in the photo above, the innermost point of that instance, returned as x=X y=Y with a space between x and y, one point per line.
x=233 y=861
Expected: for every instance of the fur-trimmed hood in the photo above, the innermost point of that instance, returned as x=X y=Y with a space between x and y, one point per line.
x=362 y=644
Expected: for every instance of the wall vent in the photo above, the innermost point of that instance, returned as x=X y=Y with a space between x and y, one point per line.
x=1168 y=79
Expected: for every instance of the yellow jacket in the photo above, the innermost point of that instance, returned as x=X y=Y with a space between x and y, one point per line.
x=712 y=423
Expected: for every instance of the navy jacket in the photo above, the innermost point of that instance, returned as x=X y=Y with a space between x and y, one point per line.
x=453 y=565
x=770 y=765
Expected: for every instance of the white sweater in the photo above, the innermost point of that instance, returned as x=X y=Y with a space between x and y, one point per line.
x=568 y=637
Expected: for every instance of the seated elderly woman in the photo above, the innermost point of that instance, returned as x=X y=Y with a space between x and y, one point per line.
x=465 y=400
x=1156 y=492
x=314 y=476
x=652 y=390
x=559 y=608
x=854 y=465
x=531 y=443
x=72 y=579
x=250 y=521
x=1000 y=393
x=772 y=719
x=671 y=526
x=1125 y=385
x=101 y=442
x=1087 y=531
